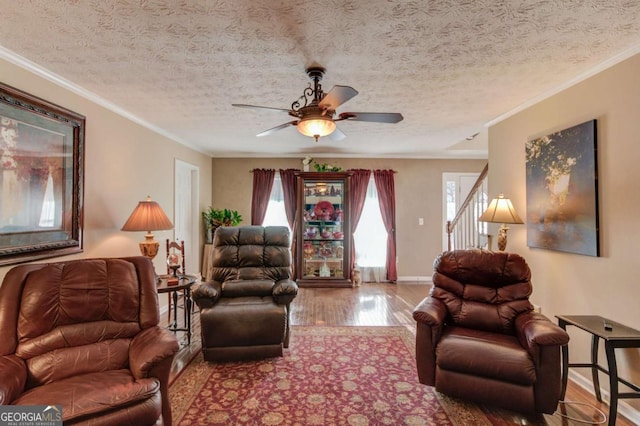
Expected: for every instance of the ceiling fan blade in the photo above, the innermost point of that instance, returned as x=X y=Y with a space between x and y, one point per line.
x=377 y=117
x=258 y=106
x=275 y=129
x=337 y=96
x=337 y=135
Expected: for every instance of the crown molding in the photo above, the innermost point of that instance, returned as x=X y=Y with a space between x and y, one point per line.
x=46 y=74
x=626 y=54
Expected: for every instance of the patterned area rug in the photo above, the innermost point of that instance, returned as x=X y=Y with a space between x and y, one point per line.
x=328 y=376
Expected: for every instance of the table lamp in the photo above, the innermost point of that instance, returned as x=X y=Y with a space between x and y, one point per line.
x=148 y=216
x=501 y=210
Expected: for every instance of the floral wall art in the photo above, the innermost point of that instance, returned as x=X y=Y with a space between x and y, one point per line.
x=41 y=178
x=562 y=191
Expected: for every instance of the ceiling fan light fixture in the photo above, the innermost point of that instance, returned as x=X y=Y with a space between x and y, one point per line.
x=316 y=126
x=315 y=110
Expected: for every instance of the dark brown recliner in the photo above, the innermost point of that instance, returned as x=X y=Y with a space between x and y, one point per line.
x=244 y=311
x=479 y=339
x=84 y=334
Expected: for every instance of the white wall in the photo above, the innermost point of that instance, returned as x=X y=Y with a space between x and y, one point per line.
x=566 y=283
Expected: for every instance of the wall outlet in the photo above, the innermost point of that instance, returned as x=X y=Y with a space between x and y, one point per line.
x=537 y=309
x=420 y=221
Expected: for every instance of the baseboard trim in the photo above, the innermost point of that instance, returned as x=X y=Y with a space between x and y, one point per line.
x=415 y=280
x=624 y=409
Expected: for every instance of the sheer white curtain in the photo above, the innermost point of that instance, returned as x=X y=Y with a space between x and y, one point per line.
x=276 y=214
x=48 y=212
x=371 y=239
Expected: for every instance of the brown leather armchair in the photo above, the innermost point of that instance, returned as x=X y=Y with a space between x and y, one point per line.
x=84 y=334
x=478 y=338
x=244 y=311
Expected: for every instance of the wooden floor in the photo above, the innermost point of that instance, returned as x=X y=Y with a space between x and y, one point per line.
x=392 y=305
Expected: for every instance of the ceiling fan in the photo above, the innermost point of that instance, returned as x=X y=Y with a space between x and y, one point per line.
x=315 y=111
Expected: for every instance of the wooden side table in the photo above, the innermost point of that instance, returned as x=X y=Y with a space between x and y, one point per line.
x=184 y=284
x=619 y=336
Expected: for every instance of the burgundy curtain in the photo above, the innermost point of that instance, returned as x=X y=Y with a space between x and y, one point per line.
x=262 y=184
x=290 y=190
x=357 y=196
x=387 y=197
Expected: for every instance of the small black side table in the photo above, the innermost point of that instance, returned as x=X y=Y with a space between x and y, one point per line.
x=184 y=284
x=620 y=336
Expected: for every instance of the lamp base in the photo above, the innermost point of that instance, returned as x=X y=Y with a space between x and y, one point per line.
x=149 y=247
x=502 y=237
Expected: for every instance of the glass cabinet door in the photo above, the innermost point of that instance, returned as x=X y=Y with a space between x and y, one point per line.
x=323 y=254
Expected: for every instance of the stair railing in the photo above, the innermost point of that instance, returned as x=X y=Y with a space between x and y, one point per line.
x=464 y=231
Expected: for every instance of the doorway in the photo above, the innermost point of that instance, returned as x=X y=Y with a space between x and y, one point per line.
x=186 y=215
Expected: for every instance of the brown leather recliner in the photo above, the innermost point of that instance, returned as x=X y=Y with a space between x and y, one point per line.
x=84 y=334
x=479 y=339
x=244 y=311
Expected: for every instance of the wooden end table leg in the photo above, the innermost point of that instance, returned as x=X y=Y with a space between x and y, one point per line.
x=188 y=306
x=613 y=382
x=174 y=294
x=594 y=366
x=565 y=362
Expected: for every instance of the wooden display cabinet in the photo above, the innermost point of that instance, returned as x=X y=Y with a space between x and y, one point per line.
x=322 y=235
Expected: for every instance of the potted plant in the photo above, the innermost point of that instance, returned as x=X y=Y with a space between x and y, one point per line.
x=213 y=218
x=324 y=167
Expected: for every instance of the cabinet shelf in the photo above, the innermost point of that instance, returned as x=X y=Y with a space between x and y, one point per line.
x=323 y=222
x=314 y=199
x=322 y=259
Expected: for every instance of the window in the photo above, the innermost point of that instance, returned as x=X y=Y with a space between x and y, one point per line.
x=451 y=199
x=276 y=214
x=48 y=205
x=371 y=235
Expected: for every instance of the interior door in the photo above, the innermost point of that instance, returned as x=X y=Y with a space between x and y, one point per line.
x=186 y=221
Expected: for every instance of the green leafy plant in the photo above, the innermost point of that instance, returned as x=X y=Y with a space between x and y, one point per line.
x=221 y=217
x=326 y=167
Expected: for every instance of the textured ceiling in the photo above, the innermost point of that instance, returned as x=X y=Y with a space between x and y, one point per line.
x=448 y=66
